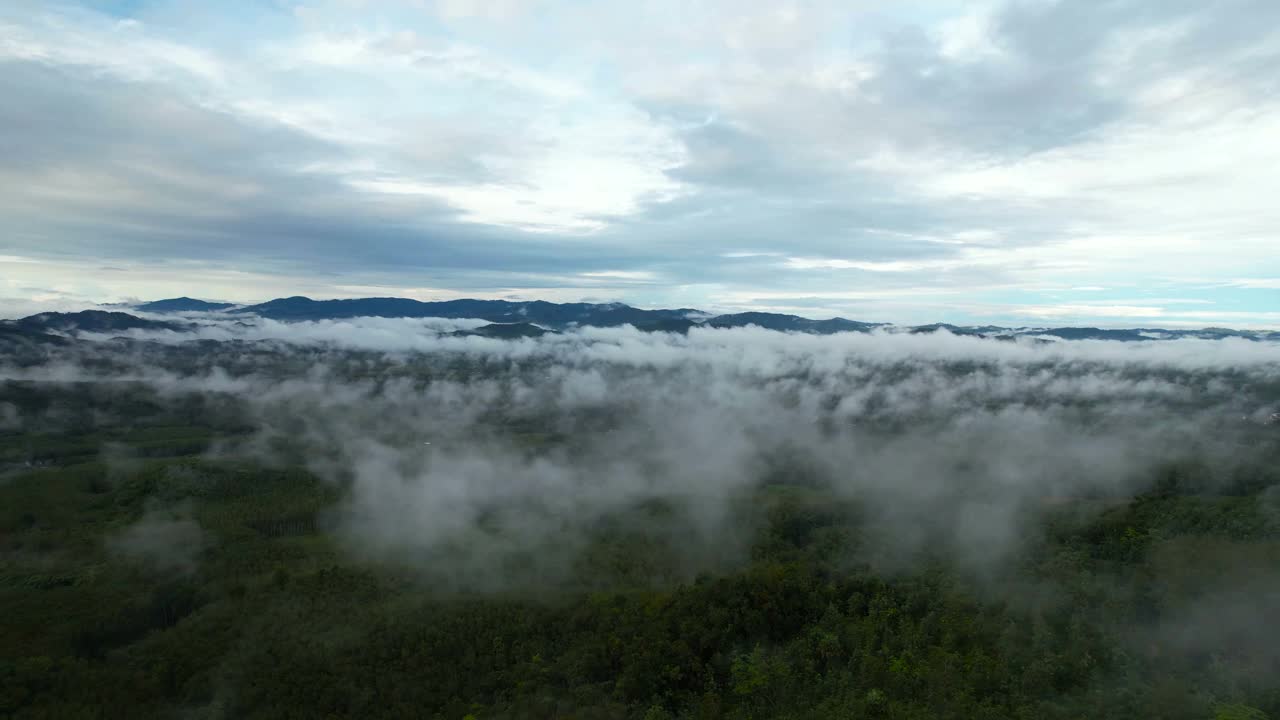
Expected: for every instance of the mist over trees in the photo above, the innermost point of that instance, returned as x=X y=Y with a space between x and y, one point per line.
x=382 y=517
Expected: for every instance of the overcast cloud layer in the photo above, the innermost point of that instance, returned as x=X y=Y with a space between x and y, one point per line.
x=1101 y=162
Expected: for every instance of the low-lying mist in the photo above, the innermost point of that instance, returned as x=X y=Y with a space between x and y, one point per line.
x=489 y=462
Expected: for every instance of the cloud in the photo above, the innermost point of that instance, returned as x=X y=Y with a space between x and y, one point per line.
x=627 y=275
x=949 y=442
x=1260 y=283
x=797 y=263
x=984 y=151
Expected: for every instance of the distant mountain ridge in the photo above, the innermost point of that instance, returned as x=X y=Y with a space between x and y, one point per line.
x=553 y=315
x=563 y=316
x=557 y=315
x=90 y=321
x=183 y=304
x=53 y=328
x=790 y=323
x=522 y=319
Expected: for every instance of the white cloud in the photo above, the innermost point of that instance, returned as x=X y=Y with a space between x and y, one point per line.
x=1257 y=283
x=891 y=266
x=1010 y=422
x=969 y=37
x=631 y=275
x=1093 y=310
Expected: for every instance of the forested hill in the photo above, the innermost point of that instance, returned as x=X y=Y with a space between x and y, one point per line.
x=729 y=525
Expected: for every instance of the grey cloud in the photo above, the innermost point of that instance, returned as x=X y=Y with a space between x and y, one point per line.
x=779 y=138
x=103 y=167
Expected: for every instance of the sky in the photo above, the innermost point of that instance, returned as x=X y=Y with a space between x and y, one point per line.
x=1099 y=162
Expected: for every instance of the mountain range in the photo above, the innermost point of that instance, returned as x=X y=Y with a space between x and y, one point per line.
x=514 y=319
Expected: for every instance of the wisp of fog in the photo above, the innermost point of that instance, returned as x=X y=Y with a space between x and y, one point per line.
x=489 y=459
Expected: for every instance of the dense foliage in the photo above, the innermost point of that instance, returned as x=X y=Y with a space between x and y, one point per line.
x=141 y=576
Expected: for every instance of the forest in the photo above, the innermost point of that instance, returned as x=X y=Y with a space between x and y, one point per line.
x=613 y=524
